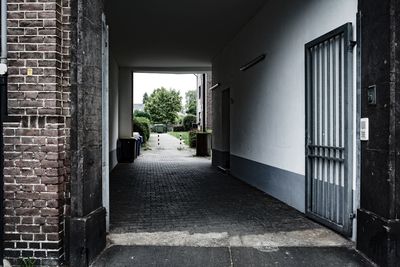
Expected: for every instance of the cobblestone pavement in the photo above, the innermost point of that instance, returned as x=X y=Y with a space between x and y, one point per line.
x=171 y=190
x=170 y=208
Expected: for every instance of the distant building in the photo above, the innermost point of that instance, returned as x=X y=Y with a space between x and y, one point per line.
x=204 y=106
x=139 y=107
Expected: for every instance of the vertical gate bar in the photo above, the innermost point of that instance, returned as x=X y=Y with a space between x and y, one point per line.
x=318 y=131
x=340 y=204
x=316 y=140
x=323 y=104
x=343 y=129
x=309 y=168
x=328 y=89
x=314 y=116
x=348 y=166
x=316 y=160
x=339 y=124
x=319 y=189
x=308 y=56
x=340 y=130
x=334 y=215
x=345 y=123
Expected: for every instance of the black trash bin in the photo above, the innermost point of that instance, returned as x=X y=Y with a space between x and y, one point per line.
x=139 y=142
x=126 y=150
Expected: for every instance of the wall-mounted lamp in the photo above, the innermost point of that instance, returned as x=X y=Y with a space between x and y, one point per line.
x=215 y=86
x=252 y=63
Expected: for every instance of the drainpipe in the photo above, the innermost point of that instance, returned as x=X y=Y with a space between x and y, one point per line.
x=3 y=110
x=3 y=60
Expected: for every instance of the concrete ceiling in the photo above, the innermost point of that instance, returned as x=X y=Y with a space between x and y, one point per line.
x=174 y=33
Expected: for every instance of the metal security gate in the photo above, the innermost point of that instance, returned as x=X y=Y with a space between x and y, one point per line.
x=329 y=129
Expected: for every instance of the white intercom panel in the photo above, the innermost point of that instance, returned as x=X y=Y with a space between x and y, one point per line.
x=364 y=129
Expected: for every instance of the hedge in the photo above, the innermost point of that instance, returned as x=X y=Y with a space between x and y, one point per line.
x=188 y=122
x=142 y=126
x=179 y=128
x=143 y=114
x=193 y=138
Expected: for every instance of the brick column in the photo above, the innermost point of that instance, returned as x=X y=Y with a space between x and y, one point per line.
x=36 y=142
x=378 y=233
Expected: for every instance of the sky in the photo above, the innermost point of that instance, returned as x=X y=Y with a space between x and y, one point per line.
x=147 y=82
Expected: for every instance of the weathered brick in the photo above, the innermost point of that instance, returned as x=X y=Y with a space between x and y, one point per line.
x=28 y=228
x=35 y=164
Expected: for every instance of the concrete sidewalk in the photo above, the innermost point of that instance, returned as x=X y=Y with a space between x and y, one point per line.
x=170 y=208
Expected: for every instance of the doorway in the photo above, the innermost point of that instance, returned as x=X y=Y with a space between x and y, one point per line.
x=226 y=123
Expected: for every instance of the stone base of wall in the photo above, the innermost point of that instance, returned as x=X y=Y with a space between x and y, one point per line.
x=87 y=237
x=284 y=185
x=378 y=238
x=220 y=158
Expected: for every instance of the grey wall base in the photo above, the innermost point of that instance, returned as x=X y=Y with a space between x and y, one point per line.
x=286 y=186
x=220 y=158
x=87 y=237
x=378 y=238
x=113 y=159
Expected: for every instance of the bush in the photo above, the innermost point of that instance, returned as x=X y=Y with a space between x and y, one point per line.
x=142 y=114
x=179 y=119
x=188 y=121
x=193 y=138
x=142 y=126
x=179 y=128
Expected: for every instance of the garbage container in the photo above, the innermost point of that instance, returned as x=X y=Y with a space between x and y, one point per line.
x=159 y=128
x=126 y=150
x=138 y=143
x=203 y=144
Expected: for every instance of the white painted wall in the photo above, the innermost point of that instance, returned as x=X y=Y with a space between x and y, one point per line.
x=125 y=109
x=113 y=106
x=267 y=114
x=268 y=100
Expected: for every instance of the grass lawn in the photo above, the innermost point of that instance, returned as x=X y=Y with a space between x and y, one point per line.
x=185 y=136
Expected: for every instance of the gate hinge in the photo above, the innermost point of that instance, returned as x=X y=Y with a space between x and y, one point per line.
x=352 y=216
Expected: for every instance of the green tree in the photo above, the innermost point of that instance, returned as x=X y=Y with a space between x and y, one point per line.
x=191 y=102
x=145 y=98
x=163 y=105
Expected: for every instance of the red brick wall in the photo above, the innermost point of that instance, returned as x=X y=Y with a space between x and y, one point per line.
x=36 y=144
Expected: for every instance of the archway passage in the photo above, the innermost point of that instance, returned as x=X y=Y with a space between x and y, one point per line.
x=56 y=155
x=266 y=129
